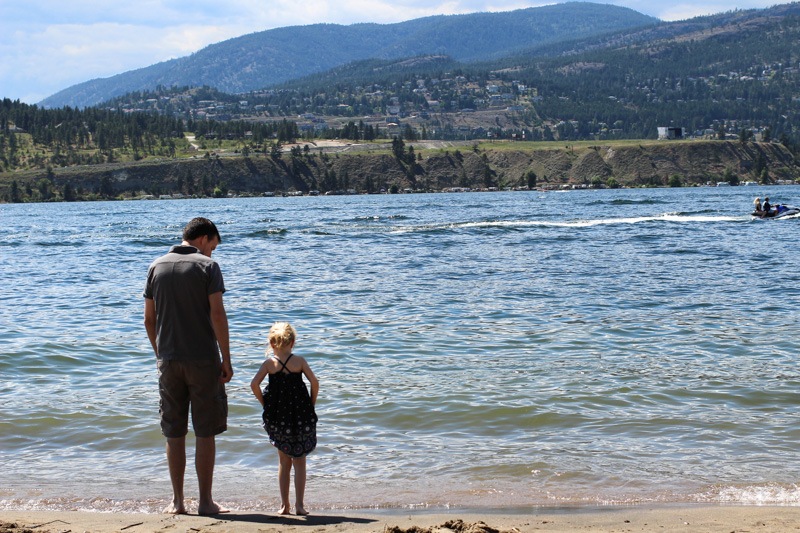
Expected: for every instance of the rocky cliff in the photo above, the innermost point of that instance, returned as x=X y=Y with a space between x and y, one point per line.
x=626 y=163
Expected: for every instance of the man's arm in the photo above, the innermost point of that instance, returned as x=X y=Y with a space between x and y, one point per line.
x=219 y=321
x=150 y=322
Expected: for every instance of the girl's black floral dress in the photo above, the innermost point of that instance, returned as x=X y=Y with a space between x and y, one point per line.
x=289 y=417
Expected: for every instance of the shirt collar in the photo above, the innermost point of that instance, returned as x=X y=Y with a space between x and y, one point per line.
x=184 y=249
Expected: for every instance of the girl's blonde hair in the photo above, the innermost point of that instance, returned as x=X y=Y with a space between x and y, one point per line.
x=281 y=334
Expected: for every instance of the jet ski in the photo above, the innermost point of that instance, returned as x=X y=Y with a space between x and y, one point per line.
x=777 y=211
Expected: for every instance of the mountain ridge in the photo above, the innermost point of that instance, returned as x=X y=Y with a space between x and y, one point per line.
x=261 y=59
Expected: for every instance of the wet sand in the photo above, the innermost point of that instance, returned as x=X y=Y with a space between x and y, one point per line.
x=679 y=518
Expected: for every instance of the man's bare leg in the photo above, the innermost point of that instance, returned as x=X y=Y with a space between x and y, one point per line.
x=176 y=460
x=204 y=459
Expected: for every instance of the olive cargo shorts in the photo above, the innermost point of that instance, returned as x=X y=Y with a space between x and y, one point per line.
x=182 y=384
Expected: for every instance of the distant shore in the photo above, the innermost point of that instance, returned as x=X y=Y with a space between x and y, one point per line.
x=337 y=167
x=668 y=518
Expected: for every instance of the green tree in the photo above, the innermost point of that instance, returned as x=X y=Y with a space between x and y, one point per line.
x=220 y=191
x=45 y=188
x=410 y=157
x=14 y=194
x=730 y=177
x=189 y=182
x=398 y=148
x=760 y=164
x=68 y=193
x=675 y=181
x=106 y=186
x=287 y=131
x=530 y=178
x=275 y=151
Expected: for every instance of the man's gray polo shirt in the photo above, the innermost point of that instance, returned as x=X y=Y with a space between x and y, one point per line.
x=180 y=283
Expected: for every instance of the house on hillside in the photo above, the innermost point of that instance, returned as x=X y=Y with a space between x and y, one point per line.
x=670 y=133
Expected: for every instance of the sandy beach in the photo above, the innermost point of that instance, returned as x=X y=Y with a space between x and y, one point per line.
x=681 y=518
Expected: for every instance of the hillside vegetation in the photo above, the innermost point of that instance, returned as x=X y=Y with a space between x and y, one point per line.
x=392 y=167
x=713 y=76
x=263 y=59
x=728 y=82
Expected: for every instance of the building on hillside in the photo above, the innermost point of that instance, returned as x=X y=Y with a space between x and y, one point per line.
x=670 y=133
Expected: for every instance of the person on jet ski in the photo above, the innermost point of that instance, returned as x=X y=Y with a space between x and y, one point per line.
x=757 y=209
x=767 y=206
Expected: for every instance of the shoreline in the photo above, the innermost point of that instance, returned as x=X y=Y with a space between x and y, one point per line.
x=666 y=518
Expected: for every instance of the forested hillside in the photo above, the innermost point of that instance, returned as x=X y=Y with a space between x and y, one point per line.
x=739 y=74
x=730 y=77
x=263 y=59
x=725 y=76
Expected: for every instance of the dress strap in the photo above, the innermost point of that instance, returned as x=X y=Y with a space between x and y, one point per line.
x=284 y=364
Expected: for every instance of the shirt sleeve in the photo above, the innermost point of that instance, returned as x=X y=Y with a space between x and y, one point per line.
x=215 y=281
x=148 y=286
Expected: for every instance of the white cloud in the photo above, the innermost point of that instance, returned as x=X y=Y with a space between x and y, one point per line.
x=687 y=10
x=59 y=56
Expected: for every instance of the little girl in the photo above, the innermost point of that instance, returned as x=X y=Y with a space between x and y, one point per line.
x=289 y=416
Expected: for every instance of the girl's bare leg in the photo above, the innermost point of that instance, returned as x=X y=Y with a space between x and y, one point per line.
x=299 y=484
x=284 y=472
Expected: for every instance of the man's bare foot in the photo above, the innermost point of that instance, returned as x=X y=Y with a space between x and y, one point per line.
x=175 y=508
x=212 y=509
x=284 y=510
x=299 y=510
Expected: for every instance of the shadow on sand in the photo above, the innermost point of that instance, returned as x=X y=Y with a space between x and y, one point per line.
x=293 y=520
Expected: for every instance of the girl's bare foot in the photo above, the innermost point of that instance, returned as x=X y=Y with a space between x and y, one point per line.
x=284 y=510
x=300 y=510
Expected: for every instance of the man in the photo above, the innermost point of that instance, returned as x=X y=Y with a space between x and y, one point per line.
x=766 y=207
x=188 y=328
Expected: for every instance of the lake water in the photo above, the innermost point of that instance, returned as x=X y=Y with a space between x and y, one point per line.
x=474 y=350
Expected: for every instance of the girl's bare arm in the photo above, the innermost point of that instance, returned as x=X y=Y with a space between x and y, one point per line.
x=312 y=379
x=255 y=384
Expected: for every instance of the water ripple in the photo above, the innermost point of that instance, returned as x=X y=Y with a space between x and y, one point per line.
x=480 y=349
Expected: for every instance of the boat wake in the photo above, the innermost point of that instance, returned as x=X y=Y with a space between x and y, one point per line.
x=665 y=217
x=522 y=224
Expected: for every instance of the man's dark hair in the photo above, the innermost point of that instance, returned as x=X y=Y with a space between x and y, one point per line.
x=199 y=226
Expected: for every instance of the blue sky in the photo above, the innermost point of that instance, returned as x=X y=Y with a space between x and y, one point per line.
x=49 y=45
